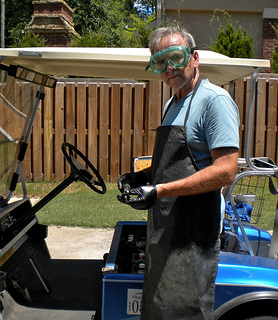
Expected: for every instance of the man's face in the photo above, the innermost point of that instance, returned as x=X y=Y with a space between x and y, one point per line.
x=178 y=78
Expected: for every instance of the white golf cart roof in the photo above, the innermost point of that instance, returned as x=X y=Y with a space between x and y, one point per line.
x=123 y=63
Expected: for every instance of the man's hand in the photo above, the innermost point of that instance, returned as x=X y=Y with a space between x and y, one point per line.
x=146 y=197
x=132 y=180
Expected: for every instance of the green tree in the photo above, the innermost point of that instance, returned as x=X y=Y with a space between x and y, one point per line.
x=90 y=39
x=89 y=15
x=275 y=52
x=18 y=15
x=142 y=29
x=120 y=25
x=232 y=41
x=100 y=22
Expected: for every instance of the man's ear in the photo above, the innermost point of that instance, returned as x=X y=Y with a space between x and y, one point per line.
x=196 y=59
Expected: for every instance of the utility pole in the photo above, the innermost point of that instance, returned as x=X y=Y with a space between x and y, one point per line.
x=158 y=13
x=2 y=23
x=2 y=73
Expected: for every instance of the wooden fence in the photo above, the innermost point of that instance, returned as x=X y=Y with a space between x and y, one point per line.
x=112 y=122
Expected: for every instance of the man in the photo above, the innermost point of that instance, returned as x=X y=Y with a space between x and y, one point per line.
x=195 y=155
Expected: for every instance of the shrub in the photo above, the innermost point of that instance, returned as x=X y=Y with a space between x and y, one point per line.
x=231 y=41
x=27 y=39
x=275 y=53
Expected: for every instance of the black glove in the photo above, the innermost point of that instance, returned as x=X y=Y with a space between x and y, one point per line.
x=146 y=197
x=132 y=180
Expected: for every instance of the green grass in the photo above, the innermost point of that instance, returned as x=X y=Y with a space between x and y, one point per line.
x=78 y=205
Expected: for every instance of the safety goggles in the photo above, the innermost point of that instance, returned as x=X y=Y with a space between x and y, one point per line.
x=177 y=56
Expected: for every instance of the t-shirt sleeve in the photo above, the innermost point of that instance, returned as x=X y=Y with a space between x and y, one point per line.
x=222 y=123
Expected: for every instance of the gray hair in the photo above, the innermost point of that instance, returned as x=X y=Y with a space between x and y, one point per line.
x=157 y=35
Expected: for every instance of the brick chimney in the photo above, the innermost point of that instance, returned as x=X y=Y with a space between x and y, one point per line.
x=270 y=19
x=52 y=19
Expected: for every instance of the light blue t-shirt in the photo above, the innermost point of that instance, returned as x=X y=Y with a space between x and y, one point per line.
x=213 y=121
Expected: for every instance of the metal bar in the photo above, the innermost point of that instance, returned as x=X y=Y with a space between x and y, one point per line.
x=229 y=197
x=29 y=125
x=250 y=126
x=273 y=252
x=39 y=276
x=250 y=119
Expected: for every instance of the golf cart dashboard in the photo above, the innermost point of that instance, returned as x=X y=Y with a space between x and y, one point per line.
x=14 y=223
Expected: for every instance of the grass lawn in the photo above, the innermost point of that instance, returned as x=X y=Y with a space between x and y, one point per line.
x=78 y=205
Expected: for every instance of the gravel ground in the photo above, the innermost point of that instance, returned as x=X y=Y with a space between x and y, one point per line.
x=78 y=243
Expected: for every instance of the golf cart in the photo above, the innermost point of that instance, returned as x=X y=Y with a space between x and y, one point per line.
x=35 y=286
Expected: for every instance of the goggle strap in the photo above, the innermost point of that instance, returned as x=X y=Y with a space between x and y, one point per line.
x=193 y=49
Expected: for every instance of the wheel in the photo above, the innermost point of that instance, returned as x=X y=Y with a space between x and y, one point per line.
x=91 y=177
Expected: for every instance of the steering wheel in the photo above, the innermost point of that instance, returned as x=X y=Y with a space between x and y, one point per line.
x=91 y=177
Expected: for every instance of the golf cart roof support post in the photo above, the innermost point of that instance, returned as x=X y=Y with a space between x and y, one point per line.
x=249 y=129
x=24 y=139
x=250 y=119
x=29 y=125
x=24 y=143
x=273 y=251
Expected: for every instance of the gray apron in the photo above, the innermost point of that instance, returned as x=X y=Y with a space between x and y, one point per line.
x=182 y=238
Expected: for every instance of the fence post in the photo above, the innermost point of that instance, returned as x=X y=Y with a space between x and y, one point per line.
x=154 y=113
x=115 y=131
x=59 y=127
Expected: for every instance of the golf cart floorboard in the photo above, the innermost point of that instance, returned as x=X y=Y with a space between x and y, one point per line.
x=16 y=311
x=69 y=289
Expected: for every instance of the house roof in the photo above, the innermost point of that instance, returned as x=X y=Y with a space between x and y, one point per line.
x=123 y=63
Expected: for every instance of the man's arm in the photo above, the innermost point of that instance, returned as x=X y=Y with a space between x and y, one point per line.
x=221 y=173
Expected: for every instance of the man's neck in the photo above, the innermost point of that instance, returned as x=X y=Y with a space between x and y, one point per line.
x=184 y=91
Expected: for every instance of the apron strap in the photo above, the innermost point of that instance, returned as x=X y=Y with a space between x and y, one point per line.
x=193 y=94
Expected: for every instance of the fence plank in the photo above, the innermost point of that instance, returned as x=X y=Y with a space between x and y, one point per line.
x=81 y=115
x=167 y=93
x=115 y=131
x=154 y=114
x=70 y=117
x=260 y=118
x=59 y=124
x=103 y=131
x=37 y=153
x=138 y=120
x=25 y=101
x=271 y=142
x=126 y=159
x=47 y=134
x=93 y=123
